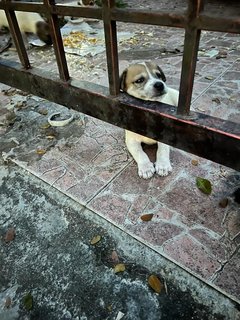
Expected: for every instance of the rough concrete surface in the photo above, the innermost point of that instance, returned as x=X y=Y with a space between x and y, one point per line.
x=51 y=258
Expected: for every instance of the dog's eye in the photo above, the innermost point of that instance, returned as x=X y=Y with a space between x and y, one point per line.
x=159 y=75
x=140 y=80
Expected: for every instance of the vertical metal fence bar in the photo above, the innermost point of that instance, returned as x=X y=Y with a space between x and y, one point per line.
x=191 y=44
x=110 y=30
x=57 y=43
x=17 y=38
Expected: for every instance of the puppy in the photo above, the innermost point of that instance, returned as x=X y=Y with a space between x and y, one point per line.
x=146 y=81
x=30 y=22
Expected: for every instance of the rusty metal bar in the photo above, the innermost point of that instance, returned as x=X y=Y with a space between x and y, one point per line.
x=17 y=38
x=170 y=19
x=205 y=21
x=206 y=136
x=22 y=6
x=110 y=31
x=57 y=43
x=191 y=44
x=223 y=24
x=60 y=10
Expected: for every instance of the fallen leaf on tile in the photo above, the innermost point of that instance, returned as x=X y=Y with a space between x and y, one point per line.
x=120 y=267
x=155 y=283
x=20 y=104
x=50 y=137
x=109 y=308
x=147 y=217
x=44 y=112
x=10 y=235
x=28 y=302
x=209 y=77
x=41 y=151
x=223 y=203
x=95 y=240
x=194 y=162
x=45 y=126
x=11 y=118
x=204 y=185
x=217 y=100
x=221 y=54
x=8 y=302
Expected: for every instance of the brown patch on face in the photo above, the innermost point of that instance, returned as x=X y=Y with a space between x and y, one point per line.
x=88 y=2
x=153 y=68
x=43 y=32
x=131 y=75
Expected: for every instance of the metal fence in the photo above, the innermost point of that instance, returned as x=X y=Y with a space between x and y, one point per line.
x=200 y=134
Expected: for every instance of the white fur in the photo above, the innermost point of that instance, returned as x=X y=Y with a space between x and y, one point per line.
x=162 y=166
x=26 y=20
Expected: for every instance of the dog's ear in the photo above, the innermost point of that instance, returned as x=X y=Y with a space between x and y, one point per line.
x=162 y=74
x=122 y=81
x=43 y=32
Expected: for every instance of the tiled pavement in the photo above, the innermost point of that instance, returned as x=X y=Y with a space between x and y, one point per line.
x=188 y=227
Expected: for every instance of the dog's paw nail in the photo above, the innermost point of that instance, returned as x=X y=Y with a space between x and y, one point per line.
x=163 y=169
x=146 y=171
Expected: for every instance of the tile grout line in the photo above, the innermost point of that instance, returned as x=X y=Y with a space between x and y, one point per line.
x=214 y=82
x=106 y=185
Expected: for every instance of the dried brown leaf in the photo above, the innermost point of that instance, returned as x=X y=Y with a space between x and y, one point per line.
x=44 y=112
x=120 y=267
x=217 y=100
x=41 y=151
x=45 y=125
x=8 y=302
x=155 y=283
x=223 y=203
x=147 y=217
x=10 y=235
x=95 y=240
x=209 y=77
x=194 y=162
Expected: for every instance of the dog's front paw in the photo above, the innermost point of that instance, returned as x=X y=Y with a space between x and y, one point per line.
x=146 y=170
x=163 y=168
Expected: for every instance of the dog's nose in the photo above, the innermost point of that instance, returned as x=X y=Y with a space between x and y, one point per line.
x=159 y=86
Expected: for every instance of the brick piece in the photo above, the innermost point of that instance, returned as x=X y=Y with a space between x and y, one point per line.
x=155 y=232
x=214 y=245
x=192 y=255
x=229 y=277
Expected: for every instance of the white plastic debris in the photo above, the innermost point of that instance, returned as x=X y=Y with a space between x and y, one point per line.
x=120 y=315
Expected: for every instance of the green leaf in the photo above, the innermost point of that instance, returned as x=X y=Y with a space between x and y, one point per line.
x=204 y=185
x=28 y=301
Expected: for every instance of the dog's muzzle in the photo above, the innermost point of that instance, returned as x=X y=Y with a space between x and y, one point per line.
x=159 y=88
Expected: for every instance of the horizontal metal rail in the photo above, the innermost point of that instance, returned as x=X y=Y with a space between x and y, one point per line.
x=206 y=136
x=205 y=21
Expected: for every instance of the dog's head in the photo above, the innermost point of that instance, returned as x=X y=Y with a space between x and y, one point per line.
x=86 y=2
x=144 y=80
x=43 y=32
